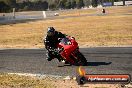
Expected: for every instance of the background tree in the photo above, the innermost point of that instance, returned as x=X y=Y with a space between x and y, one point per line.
x=87 y=2
x=62 y=4
x=10 y=3
x=7 y=5
x=4 y=7
x=68 y=5
x=94 y=3
x=79 y=3
x=73 y=4
x=52 y=6
x=45 y=5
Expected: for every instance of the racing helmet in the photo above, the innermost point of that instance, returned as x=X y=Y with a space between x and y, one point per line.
x=50 y=31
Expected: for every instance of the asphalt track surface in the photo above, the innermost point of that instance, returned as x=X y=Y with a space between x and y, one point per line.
x=101 y=60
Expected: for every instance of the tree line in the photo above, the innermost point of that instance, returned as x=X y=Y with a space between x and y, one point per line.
x=26 y=5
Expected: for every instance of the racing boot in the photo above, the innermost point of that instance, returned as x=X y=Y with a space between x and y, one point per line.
x=49 y=57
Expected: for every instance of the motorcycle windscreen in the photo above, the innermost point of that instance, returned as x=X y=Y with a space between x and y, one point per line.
x=65 y=41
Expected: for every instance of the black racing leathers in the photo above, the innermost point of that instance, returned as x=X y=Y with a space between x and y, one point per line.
x=51 y=42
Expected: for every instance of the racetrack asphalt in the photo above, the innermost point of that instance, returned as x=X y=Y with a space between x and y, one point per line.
x=101 y=60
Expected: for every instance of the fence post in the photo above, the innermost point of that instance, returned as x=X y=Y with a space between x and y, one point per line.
x=124 y=2
x=44 y=14
x=13 y=13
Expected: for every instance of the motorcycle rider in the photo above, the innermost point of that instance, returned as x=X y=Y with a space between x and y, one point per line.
x=51 y=41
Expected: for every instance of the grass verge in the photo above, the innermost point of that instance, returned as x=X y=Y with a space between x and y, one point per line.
x=113 y=29
x=16 y=81
x=21 y=81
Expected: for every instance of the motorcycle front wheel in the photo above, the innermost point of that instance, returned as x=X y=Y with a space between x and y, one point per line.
x=82 y=59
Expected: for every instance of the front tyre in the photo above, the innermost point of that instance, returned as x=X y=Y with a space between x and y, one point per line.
x=82 y=58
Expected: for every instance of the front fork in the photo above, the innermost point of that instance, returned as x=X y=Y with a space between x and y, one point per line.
x=75 y=57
